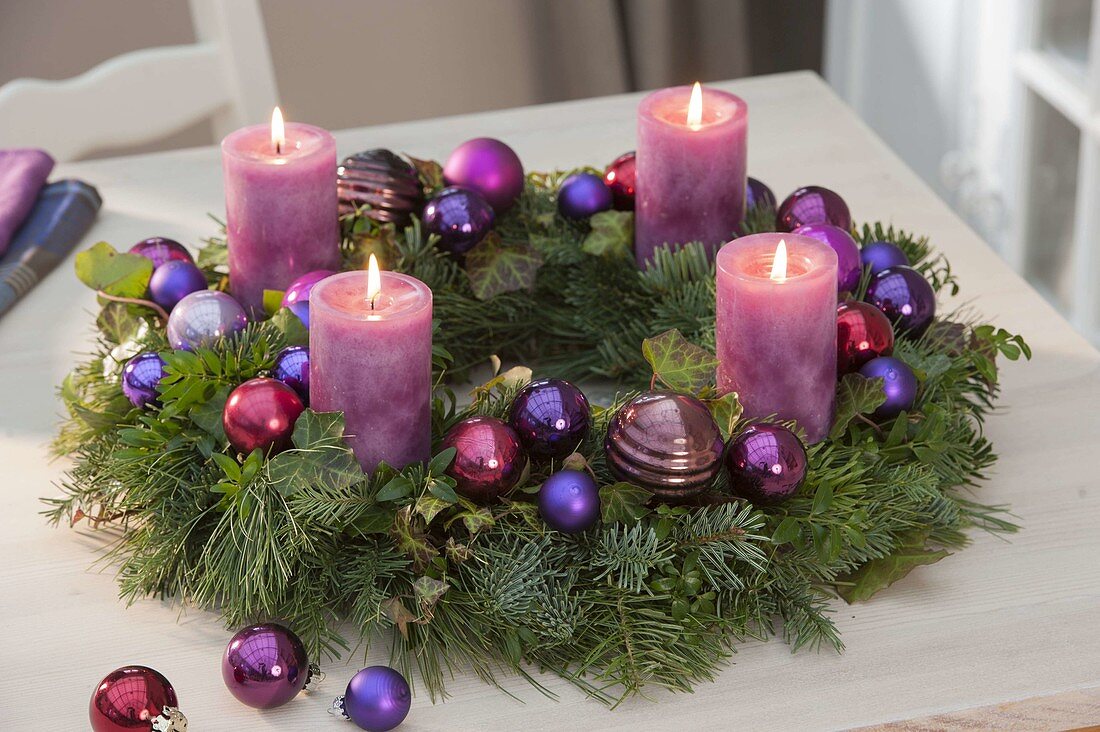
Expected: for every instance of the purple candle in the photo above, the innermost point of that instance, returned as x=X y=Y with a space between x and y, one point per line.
x=370 y=347
x=691 y=169
x=776 y=328
x=281 y=207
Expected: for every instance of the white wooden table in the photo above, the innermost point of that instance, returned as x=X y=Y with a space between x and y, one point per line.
x=999 y=622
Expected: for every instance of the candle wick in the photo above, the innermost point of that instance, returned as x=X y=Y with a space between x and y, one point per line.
x=373 y=299
x=278 y=148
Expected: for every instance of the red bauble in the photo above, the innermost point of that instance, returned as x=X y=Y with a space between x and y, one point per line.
x=862 y=333
x=133 y=698
x=619 y=177
x=261 y=413
x=489 y=459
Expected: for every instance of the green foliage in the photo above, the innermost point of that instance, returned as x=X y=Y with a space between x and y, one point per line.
x=612 y=235
x=121 y=275
x=679 y=364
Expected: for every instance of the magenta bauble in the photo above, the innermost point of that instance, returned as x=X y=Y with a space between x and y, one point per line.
x=265 y=665
x=489 y=167
x=619 y=177
x=812 y=205
x=862 y=333
x=133 y=699
x=260 y=413
x=488 y=458
x=766 y=464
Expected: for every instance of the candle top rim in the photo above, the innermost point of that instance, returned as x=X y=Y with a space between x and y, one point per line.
x=254 y=142
x=648 y=107
x=819 y=258
x=415 y=298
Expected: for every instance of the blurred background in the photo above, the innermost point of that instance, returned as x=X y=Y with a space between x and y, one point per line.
x=995 y=103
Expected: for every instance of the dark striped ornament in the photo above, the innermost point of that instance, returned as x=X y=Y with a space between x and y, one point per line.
x=382 y=181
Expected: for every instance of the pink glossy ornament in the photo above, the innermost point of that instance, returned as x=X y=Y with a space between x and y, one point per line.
x=135 y=699
x=489 y=167
x=265 y=665
x=489 y=459
x=619 y=177
x=812 y=205
x=862 y=333
x=260 y=413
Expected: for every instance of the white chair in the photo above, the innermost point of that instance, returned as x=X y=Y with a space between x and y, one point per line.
x=145 y=95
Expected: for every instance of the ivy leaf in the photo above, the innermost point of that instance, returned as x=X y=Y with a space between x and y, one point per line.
x=429 y=591
x=726 y=411
x=878 y=574
x=430 y=506
x=318 y=428
x=494 y=267
x=122 y=275
x=856 y=395
x=293 y=330
x=398 y=614
x=273 y=301
x=623 y=503
x=333 y=467
x=430 y=172
x=612 y=234
x=678 y=363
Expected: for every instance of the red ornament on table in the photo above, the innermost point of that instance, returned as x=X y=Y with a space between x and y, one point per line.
x=863 y=333
x=261 y=413
x=135 y=698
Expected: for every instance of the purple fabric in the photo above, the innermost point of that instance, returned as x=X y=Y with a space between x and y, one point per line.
x=22 y=175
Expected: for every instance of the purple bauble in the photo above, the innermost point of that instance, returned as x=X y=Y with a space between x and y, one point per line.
x=160 y=250
x=292 y=368
x=619 y=177
x=265 y=666
x=382 y=185
x=551 y=417
x=489 y=459
x=173 y=281
x=377 y=699
x=260 y=414
x=489 y=167
x=905 y=297
x=848 y=268
x=899 y=383
x=296 y=297
x=583 y=194
x=569 y=501
x=757 y=193
x=460 y=217
x=766 y=464
x=203 y=318
x=140 y=377
x=878 y=255
x=812 y=205
x=131 y=699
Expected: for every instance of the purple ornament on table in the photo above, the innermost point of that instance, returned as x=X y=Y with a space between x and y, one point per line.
x=847 y=252
x=292 y=368
x=766 y=464
x=173 y=281
x=757 y=193
x=619 y=177
x=905 y=297
x=377 y=699
x=551 y=417
x=569 y=501
x=135 y=699
x=202 y=318
x=878 y=255
x=460 y=217
x=583 y=194
x=296 y=297
x=489 y=459
x=160 y=250
x=899 y=383
x=812 y=205
x=140 y=377
x=489 y=167
x=265 y=666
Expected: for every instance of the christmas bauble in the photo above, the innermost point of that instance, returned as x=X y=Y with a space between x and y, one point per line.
x=173 y=281
x=849 y=267
x=265 y=665
x=140 y=378
x=160 y=250
x=906 y=298
x=812 y=205
x=489 y=167
x=551 y=417
x=766 y=463
x=878 y=255
x=202 y=318
x=862 y=333
x=296 y=297
x=460 y=217
x=757 y=193
x=489 y=459
x=667 y=443
x=619 y=177
x=377 y=699
x=135 y=698
x=292 y=368
x=583 y=194
x=383 y=182
x=569 y=501
x=899 y=383
x=260 y=413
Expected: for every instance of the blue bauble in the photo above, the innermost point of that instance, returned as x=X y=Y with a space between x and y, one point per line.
x=173 y=281
x=757 y=193
x=898 y=382
x=551 y=417
x=460 y=217
x=140 y=377
x=569 y=501
x=203 y=318
x=905 y=297
x=292 y=368
x=878 y=255
x=583 y=194
x=377 y=699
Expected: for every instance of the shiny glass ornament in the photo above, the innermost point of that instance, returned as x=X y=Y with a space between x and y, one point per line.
x=296 y=297
x=173 y=281
x=460 y=217
x=569 y=501
x=260 y=413
x=862 y=333
x=489 y=459
x=583 y=194
x=905 y=297
x=377 y=699
x=878 y=255
x=812 y=205
x=265 y=666
x=489 y=167
x=140 y=378
x=849 y=268
x=385 y=183
x=135 y=699
x=757 y=193
x=292 y=368
x=899 y=383
x=619 y=177
x=551 y=417
x=766 y=464
x=202 y=318
x=667 y=443
x=159 y=250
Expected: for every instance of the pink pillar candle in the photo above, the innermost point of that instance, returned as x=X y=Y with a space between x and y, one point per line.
x=690 y=179
x=281 y=208
x=374 y=364
x=776 y=335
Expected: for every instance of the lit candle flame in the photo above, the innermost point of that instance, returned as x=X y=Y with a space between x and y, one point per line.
x=278 y=132
x=779 y=264
x=695 y=107
x=374 y=281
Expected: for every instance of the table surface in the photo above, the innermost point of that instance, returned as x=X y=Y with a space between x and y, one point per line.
x=999 y=622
